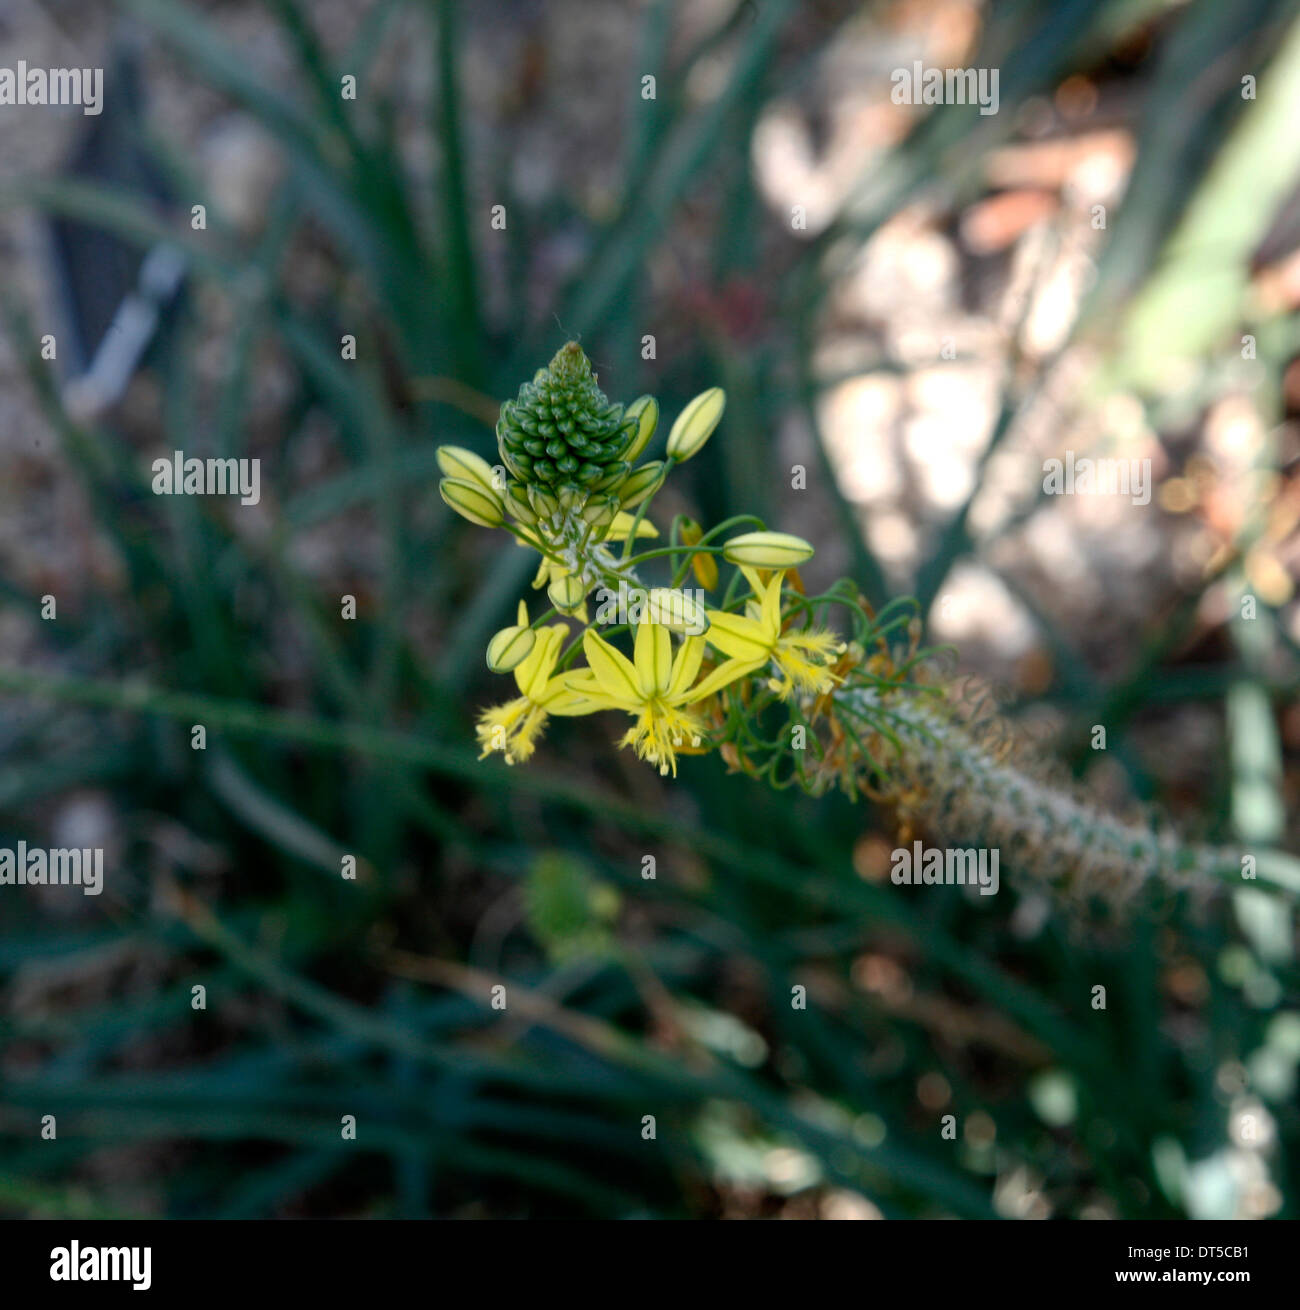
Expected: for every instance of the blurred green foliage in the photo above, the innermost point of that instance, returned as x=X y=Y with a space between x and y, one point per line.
x=668 y=997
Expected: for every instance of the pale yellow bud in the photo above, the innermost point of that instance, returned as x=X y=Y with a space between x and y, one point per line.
x=641 y=483
x=510 y=647
x=645 y=409
x=457 y=462
x=472 y=501
x=567 y=593
x=695 y=424
x=516 y=499
x=599 y=511
x=677 y=610
x=768 y=550
x=543 y=502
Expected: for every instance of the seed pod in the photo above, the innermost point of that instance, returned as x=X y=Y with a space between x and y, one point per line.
x=695 y=424
x=768 y=550
x=472 y=501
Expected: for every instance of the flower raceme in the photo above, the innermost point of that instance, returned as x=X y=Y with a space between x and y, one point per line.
x=758 y=677
x=568 y=487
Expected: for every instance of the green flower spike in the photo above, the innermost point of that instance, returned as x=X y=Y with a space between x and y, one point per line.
x=561 y=431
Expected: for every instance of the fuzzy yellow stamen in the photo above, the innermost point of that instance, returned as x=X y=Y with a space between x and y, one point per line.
x=660 y=731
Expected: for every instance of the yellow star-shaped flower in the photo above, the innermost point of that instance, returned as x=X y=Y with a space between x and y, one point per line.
x=754 y=638
x=655 y=686
x=513 y=728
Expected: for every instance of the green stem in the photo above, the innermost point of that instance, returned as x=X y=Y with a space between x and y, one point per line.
x=952 y=782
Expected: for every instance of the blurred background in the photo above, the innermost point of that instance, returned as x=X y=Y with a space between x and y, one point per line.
x=916 y=305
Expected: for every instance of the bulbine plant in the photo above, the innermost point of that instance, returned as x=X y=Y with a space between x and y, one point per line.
x=818 y=691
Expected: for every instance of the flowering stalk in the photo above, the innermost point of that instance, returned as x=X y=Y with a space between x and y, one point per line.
x=762 y=676
x=947 y=781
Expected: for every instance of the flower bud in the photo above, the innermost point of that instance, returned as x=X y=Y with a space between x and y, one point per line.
x=472 y=501
x=695 y=424
x=511 y=646
x=645 y=410
x=567 y=593
x=599 y=511
x=641 y=483
x=516 y=499
x=613 y=476
x=677 y=610
x=561 y=430
x=704 y=566
x=768 y=550
x=542 y=502
x=457 y=462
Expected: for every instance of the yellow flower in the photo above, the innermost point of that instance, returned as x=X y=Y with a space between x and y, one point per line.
x=654 y=686
x=622 y=527
x=513 y=728
x=799 y=658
